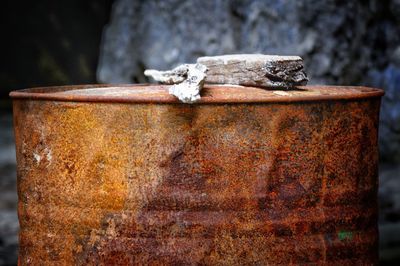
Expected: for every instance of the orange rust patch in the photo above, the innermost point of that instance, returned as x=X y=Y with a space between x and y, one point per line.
x=231 y=184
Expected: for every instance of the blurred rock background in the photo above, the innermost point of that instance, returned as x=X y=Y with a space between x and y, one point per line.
x=353 y=42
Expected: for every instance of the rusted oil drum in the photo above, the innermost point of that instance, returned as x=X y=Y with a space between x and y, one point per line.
x=128 y=175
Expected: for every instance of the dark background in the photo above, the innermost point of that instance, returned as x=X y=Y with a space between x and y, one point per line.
x=353 y=42
x=50 y=42
x=43 y=43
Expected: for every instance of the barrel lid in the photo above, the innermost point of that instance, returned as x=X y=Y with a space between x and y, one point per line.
x=153 y=93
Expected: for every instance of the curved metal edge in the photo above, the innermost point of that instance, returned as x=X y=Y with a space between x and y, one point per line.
x=42 y=93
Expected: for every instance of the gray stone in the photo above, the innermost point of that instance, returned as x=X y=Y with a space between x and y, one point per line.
x=389 y=214
x=8 y=193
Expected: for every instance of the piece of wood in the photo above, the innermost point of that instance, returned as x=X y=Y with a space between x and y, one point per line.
x=187 y=80
x=255 y=70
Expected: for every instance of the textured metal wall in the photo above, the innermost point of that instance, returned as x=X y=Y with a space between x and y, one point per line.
x=229 y=184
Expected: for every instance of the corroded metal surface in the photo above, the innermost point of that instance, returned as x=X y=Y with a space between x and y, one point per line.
x=217 y=184
x=210 y=94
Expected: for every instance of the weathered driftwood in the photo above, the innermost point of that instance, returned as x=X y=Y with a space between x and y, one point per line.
x=268 y=71
x=255 y=70
x=174 y=76
x=188 y=80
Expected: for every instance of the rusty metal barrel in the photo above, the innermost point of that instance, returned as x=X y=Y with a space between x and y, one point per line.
x=119 y=175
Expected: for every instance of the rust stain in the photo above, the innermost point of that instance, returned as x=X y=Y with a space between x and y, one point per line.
x=215 y=184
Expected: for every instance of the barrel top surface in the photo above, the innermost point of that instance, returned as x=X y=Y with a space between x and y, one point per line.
x=154 y=93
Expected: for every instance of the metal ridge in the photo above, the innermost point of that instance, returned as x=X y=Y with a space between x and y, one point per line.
x=154 y=93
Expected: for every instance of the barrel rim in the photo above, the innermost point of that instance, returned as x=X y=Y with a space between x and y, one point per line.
x=155 y=93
